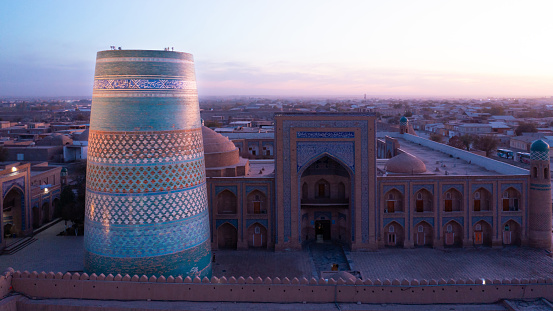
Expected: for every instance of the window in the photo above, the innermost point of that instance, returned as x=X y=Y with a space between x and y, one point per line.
x=257 y=230
x=449 y=228
x=448 y=196
x=477 y=196
x=391 y=229
x=535 y=169
x=478 y=227
x=420 y=228
x=507 y=228
x=419 y=196
x=391 y=196
x=20 y=157
x=546 y=173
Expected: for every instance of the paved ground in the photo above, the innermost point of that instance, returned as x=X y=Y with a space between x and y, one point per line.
x=48 y=253
x=453 y=263
x=261 y=263
x=59 y=253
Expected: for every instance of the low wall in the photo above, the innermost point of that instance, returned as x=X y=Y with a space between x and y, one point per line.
x=490 y=164
x=57 y=285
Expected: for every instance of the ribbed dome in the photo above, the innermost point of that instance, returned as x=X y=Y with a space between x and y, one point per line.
x=539 y=145
x=215 y=142
x=405 y=163
x=403 y=119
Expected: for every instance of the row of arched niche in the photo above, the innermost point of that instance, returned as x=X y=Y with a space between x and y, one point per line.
x=13 y=213
x=452 y=234
x=227 y=203
x=452 y=201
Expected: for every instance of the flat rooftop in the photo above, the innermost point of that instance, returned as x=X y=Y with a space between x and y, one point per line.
x=439 y=163
x=262 y=168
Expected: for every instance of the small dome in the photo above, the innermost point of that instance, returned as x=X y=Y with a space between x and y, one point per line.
x=405 y=163
x=403 y=119
x=219 y=151
x=540 y=146
x=215 y=142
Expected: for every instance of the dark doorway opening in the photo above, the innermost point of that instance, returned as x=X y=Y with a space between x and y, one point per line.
x=322 y=227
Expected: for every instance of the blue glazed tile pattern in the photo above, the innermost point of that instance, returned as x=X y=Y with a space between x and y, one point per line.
x=143 y=84
x=147 y=240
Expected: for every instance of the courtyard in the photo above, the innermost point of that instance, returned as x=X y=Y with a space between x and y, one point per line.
x=65 y=253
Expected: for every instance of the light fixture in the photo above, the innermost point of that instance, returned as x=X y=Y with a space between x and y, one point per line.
x=45 y=190
x=14 y=169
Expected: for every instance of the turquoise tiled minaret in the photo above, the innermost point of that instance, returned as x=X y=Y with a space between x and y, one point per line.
x=146 y=199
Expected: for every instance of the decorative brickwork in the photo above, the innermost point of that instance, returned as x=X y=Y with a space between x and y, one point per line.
x=146 y=202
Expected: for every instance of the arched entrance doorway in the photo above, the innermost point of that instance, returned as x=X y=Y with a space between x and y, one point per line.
x=12 y=213
x=453 y=234
x=45 y=212
x=511 y=233
x=482 y=234
x=325 y=189
x=227 y=236
x=257 y=236
x=423 y=234
x=393 y=235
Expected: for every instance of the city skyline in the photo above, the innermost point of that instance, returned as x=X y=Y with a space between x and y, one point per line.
x=310 y=48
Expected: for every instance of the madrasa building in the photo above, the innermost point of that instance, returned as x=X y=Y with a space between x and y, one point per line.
x=335 y=178
x=163 y=190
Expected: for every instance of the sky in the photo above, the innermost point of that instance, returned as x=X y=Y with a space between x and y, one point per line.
x=289 y=48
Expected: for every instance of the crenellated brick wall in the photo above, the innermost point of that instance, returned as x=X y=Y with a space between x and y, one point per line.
x=248 y=289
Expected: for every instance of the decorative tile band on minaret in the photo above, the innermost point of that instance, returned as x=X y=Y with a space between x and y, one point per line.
x=146 y=199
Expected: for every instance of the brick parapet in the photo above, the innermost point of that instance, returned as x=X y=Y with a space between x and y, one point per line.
x=249 y=289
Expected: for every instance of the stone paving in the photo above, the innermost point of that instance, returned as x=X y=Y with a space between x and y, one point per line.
x=326 y=254
x=515 y=262
x=49 y=253
x=65 y=253
x=261 y=263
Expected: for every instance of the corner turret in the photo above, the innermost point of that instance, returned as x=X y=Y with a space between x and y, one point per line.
x=403 y=125
x=539 y=210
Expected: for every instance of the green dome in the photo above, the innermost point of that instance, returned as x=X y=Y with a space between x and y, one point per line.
x=403 y=119
x=540 y=146
x=64 y=170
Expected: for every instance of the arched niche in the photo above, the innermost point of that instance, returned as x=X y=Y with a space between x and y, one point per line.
x=256 y=202
x=227 y=236
x=424 y=201
x=453 y=201
x=12 y=214
x=226 y=202
x=257 y=236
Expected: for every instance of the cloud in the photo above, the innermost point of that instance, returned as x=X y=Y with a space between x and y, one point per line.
x=282 y=78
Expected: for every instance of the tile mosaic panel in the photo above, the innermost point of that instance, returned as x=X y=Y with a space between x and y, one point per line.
x=145 y=209
x=147 y=84
x=192 y=262
x=144 y=147
x=147 y=240
x=325 y=134
x=145 y=179
x=344 y=151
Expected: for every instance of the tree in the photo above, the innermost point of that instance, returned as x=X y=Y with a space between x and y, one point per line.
x=436 y=137
x=524 y=127
x=456 y=142
x=486 y=143
x=467 y=140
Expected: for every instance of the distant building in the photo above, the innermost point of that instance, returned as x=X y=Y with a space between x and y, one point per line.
x=30 y=194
